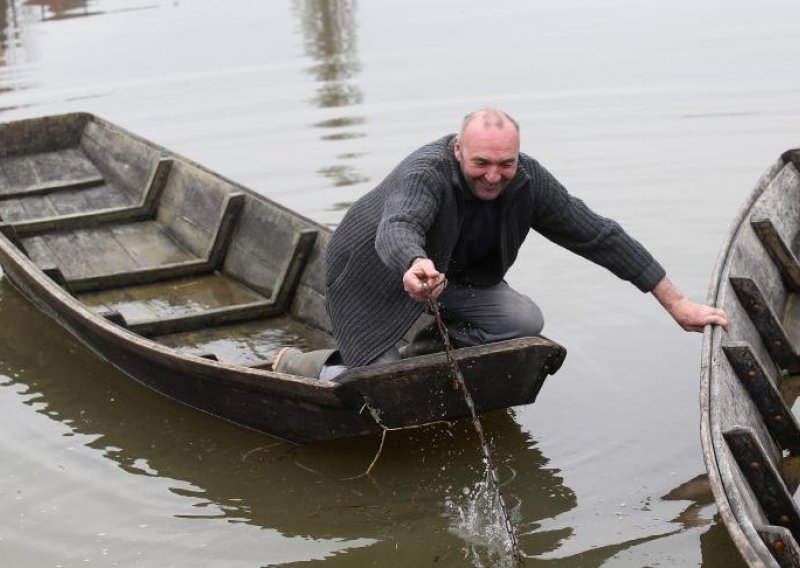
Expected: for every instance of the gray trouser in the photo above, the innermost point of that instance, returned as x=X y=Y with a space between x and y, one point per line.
x=476 y=315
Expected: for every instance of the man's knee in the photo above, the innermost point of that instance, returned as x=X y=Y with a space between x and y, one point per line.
x=526 y=318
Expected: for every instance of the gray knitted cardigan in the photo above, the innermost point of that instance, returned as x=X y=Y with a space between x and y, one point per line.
x=417 y=211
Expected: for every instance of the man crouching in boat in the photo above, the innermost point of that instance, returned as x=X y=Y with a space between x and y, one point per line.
x=448 y=222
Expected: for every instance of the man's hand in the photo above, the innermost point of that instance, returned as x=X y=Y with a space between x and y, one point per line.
x=422 y=279
x=690 y=315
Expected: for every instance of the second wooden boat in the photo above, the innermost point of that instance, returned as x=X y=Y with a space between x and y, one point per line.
x=750 y=377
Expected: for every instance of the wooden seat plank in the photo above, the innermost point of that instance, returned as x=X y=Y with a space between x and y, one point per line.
x=173 y=298
x=87 y=252
x=764 y=479
x=17 y=171
x=54 y=185
x=118 y=300
x=250 y=342
x=289 y=278
x=104 y=204
x=779 y=251
x=778 y=418
x=767 y=323
x=64 y=164
x=37 y=250
x=148 y=245
x=47 y=172
x=204 y=319
x=36 y=207
x=61 y=210
x=12 y=211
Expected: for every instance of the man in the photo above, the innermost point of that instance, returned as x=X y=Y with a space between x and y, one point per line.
x=448 y=222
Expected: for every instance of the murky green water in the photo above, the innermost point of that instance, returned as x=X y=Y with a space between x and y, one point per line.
x=661 y=115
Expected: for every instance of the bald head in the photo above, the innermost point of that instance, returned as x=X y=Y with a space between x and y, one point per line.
x=488 y=119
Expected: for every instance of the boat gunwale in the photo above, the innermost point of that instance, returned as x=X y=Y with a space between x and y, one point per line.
x=712 y=339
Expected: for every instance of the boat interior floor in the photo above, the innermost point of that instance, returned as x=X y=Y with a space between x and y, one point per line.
x=252 y=343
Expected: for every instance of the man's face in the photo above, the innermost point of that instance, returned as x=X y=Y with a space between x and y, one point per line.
x=489 y=158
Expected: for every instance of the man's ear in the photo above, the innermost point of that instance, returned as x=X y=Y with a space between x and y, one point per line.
x=457 y=149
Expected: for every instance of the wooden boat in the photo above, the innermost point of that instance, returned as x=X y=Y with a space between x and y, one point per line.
x=751 y=375
x=189 y=283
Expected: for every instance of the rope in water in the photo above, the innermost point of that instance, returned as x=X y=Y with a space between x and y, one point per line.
x=487 y=452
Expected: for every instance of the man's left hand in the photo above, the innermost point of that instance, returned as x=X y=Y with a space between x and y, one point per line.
x=690 y=315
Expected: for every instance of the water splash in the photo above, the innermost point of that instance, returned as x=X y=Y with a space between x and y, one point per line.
x=478 y=519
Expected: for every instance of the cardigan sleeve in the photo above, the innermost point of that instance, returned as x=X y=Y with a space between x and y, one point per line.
x=570 y=223
x=408 y=213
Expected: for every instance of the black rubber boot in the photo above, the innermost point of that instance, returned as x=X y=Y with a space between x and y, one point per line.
x=292 y=361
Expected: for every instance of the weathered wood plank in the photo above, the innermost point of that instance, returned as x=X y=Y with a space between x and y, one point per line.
x=147 y=244
x=145 y=209
x=257 y=265
x=118 y=300
x=69 y=222
x=174 y=297
x=123 y=160
x=41 y=134
x=193 y=206
x=45 y=173
x=286 y=285
x=767 y=323
x=12 y=210
x=35 y=248
x=793 y=157
x=138 y=276
x=36 y=207
x=183 y=305
x=250 y=342
x=205 y=319
x=778 y=418
x=69 y=163
x=87 y=252
x=106 y=196
x=779 y=252
x=17 y=172
x=231 y=208
x=764 y=479
x=53 y=186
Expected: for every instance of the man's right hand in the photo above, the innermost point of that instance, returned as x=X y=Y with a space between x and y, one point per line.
x=422 y=280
